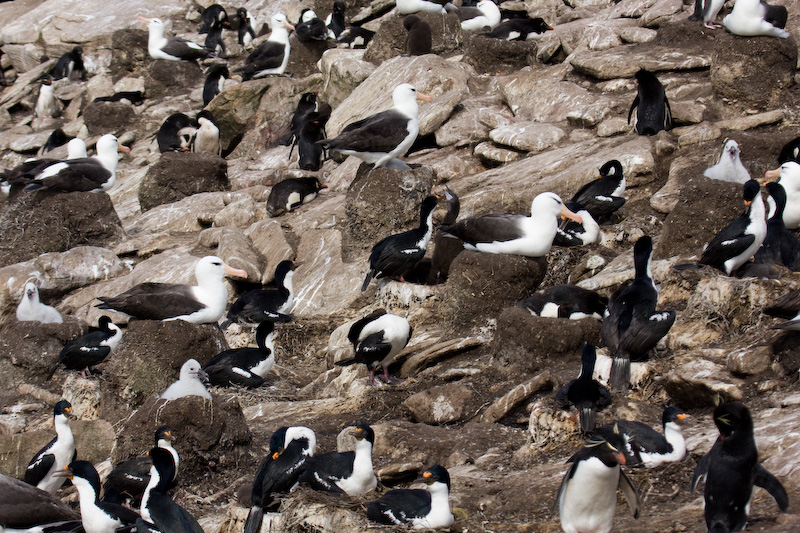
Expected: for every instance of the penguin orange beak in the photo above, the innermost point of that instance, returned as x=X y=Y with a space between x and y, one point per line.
x=424 y=97
x=566 y=213
x=236 y=272
x=550 y=27
x=620 y=458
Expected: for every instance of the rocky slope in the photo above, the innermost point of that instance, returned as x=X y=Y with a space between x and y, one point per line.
x=508 y=121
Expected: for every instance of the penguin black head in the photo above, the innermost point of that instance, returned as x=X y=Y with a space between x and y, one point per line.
x=77 y=51
x=220 y=69
x=363 y=431
x=409 y=21
x=607 y=446
x=338 y=7
x=434 y=474
x=241 y=13
x=732 y=417
x=164 y=433
x=206 y=114
x=313 y=183
x=647 y=78
x=308 y=99
x=63 y=408
x=673 y=414
x=46 y=79
x=611 y=168
x=538 y=25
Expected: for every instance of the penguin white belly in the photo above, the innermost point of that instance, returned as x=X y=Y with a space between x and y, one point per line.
x=588 y=501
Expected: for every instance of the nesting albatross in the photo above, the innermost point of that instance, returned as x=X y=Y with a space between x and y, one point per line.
x=203 y=303
x=91 y=174
x=383 y=136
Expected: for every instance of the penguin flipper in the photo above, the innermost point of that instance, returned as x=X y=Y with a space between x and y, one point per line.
x=563 y=486
x=770 y=483
x=700 y=471
x=634 y=105
x=667 y=114
x=631 y=494
x=698 y=11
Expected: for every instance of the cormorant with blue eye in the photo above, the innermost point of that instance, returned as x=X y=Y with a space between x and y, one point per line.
x=631 y=325
x=396 y=254
x=646 y=446
x=585 y=393
x=274 y=305
x=346 y=472
x=129 y=478
x=244 y=366
x=158 y=510
x=418 y=508
x=89 y=349
x=290 y=450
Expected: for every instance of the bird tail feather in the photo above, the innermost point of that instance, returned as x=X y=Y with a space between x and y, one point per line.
x=346 y=362
x=370 y=274
x=588 y=418
x=620 y=373
x=52 y=372
x=254 y=519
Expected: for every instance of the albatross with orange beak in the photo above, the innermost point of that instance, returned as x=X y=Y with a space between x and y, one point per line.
x=514 y=234
x=381 y=137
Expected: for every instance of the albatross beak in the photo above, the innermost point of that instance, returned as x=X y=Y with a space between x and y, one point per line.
x=424 y=97
x=63 y=473
x=566 y=213
x=287 y=25
x=230 y=271
x=123 y=148
x=772 y=175
x=144 y=20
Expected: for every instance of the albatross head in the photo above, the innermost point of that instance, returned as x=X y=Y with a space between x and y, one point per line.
x=191 y=369
x=551 y=203
x=212 y=269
